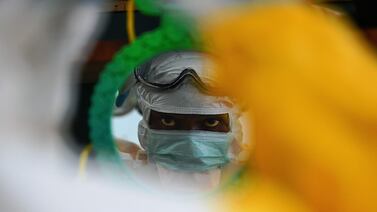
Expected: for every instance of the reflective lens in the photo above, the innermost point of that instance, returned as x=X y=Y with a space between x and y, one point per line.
x=169 y=79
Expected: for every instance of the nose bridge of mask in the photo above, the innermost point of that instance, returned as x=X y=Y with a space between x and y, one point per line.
x=193 y=141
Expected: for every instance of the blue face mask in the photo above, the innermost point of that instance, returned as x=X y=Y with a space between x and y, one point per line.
x=187 y=150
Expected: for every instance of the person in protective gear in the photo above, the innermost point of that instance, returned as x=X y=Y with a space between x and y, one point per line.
x=187 y=135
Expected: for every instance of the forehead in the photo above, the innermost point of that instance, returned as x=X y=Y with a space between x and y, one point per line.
x=156 y=115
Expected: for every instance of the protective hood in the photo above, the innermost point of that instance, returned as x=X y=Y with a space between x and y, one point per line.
x=185 y=99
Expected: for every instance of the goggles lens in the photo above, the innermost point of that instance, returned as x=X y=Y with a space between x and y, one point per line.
x=170 y=79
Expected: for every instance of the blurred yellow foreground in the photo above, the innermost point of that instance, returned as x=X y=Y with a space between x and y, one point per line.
x=310 y=83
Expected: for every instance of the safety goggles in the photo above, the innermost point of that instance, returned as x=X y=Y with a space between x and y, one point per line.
x=169 y=80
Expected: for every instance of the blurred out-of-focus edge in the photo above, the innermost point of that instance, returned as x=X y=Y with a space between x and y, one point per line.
x=306 y=72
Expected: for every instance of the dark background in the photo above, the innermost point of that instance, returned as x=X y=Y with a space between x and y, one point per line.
x=113 y=37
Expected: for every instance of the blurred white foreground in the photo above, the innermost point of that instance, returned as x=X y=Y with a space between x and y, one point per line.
x=42 y=42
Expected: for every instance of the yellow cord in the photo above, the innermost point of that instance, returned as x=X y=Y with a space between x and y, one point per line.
x=131 y=21
x=84 y=160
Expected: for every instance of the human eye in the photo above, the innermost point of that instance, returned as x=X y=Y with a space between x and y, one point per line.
x=168 y=122
x=211 y=122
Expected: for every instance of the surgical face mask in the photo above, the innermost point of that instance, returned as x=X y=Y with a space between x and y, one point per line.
x=192 y=151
